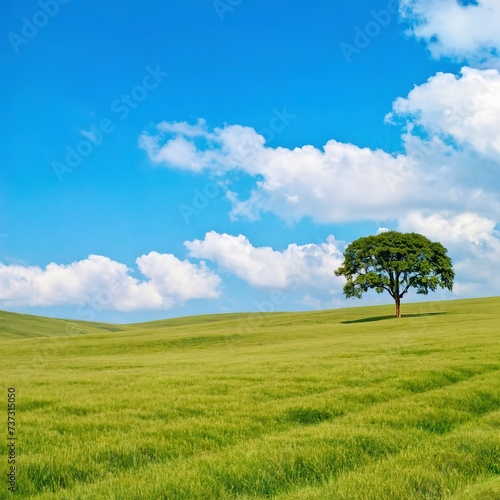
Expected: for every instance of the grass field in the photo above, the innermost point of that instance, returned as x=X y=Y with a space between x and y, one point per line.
x=343 y=404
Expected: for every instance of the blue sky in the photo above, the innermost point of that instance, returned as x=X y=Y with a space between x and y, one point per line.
x=166 y=159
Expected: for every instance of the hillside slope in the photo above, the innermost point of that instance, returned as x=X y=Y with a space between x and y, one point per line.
x=16 y=326
x=346 y=404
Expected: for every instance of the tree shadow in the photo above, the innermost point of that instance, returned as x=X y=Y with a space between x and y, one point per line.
x=391 y=316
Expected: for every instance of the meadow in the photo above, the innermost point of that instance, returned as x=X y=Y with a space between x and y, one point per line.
x=342 y=404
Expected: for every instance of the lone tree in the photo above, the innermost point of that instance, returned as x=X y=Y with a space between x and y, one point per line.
x=395 y=262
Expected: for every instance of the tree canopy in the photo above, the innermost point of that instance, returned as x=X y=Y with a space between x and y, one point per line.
x=395 y=262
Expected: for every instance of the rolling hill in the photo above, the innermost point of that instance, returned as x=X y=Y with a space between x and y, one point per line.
x=341 y=404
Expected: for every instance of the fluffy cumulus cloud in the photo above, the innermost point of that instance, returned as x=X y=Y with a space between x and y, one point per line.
x=339 y=182
x=449 y=164
x=463 y=109
x=455 y=229
x=106 y=284
x=175 y=145
x=336 y=183
x=296 y=267
x=473 y=242
x=462 y=29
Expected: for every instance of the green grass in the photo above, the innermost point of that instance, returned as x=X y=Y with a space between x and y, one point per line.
x=344 y=404
x=16 y=326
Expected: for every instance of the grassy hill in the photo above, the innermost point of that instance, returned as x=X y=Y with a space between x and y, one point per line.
x=342 y=404
x=13 y=325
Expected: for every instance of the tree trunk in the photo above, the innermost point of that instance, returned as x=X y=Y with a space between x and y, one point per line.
x=398 y=307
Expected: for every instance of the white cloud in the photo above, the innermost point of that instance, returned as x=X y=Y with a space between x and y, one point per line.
x=454 y=29
x=336 y=183
x=462 y=109
x=184 y=128
x=310 y=301
x=106 y=284
x=450 y=165
x=340 y=182
x=180 y=280
x=178 y=152
x=473 y=242
x=454 y=229
x=195 y=148
x=296 y=267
